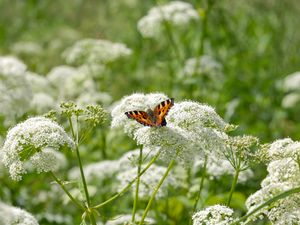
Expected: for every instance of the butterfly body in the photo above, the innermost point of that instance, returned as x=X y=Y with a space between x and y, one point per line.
x=152 y=118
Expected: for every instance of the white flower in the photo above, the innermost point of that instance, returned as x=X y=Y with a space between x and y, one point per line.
x=213 y=215
x=126 y=219
x=284 y=148
x=42 y=103
x=27 y=142
x=292 y=82
x=191 y=128
x=290 y=100
x=95 y=51
x=96 y=171
x=148 y=181
x=93 y=97
x=219 y=166
x=15 y=216
x=203 y=65
x=176 y=13
x=38 y=83
x=27 y=48
x=131 y=158
x=15 y=92
x=11 y=66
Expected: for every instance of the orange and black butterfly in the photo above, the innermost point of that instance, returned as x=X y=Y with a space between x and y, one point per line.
x=155 y=117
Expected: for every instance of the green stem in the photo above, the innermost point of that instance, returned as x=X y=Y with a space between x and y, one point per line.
x=155 y=192
x=270 y=201
x=129 y=184
x=201 y=185
x=136 y=198
x=66 y=191
x=234 y=182
x=87 y=197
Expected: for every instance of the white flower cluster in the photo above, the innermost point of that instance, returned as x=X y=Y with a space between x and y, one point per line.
x=219 y=166
x=291 y=85
x=95 y=51
x=176 y=13
x=15 y=92
x=192 y=128
x=126 y=219
x=76 y=84
x=283 y=174
x=16 y=216
x=148 y=181
x=213 y=215
x=28 y=141
x=204 y=65
x=27 y=48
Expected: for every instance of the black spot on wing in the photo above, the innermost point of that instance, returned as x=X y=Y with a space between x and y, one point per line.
x=163 y=103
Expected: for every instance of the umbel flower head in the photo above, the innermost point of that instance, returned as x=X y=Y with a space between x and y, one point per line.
x=176 y=13
x=29 y=141
x=16 y=216
x=283 y=174
x=192 y=128
x=213 y=215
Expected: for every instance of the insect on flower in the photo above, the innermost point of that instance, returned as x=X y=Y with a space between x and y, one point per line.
x=155 y=117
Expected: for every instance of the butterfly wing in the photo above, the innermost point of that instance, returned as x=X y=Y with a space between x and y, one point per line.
x=141 y=117
x=161 y=110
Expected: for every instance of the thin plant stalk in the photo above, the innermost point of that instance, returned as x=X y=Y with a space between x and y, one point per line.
x=233 y=185
x=155 y=192
x=270 y=201
x=201 y=184
x=66 y=191
x=87 y=197
x=129 y=184
x=136 y=197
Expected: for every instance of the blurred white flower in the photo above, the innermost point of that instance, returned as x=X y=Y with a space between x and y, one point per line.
x=191 y=128
x=292 y=82
x=10 y=215
x=284 y=148
x=130 y=159
x=290 y=100
x=148 y=181
x=175 y=13
x=95 y=51
x=15 y=91
x=91 y=97
x=28 y=141
x=213 y=215
x=11 y=66
x=126 y=219
x=37 y=83
x=203 y=65
x=27 y=48
x=42 y=103
x=219 y=166
x=96 y=171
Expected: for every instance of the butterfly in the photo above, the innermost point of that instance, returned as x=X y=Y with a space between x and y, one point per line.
x=152 y=118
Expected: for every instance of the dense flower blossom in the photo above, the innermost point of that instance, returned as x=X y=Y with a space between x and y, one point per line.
x=192 y=128
x=148 y=181
x=283 y=174
x=16 y=216
x=175 y=13
x=213 y=215
x=14 y=88
x=28 y=141
x=42 y=103
x=95 y=51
